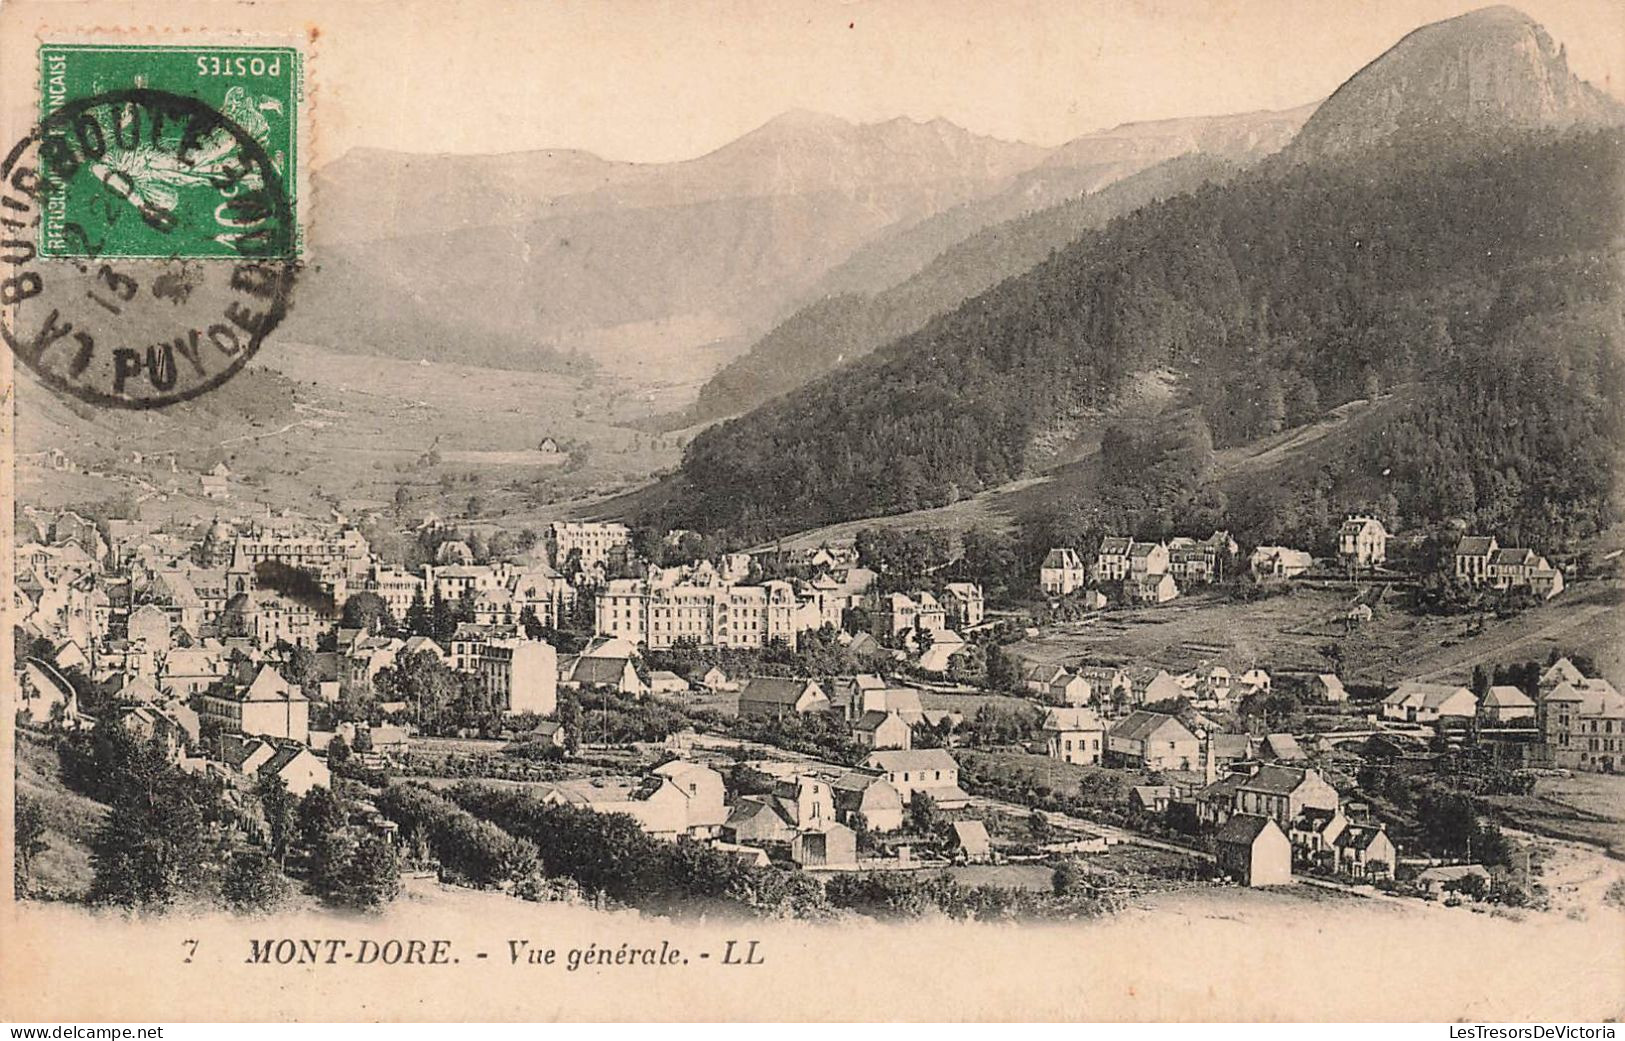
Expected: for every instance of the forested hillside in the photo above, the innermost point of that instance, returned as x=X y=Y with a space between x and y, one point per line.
x=842 y=328
x=1485 y=273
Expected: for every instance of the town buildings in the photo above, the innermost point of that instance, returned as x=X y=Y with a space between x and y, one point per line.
x=1482 y=561
x=1504 y=704
x=876 y=730
x=587 y=542
x=520 y=675
x=1200 y=561
x=714 y=614
x=1362 y=542
x=1254 y=850
x=1283 y=792
x=1416 y=702
x=963 y=604
x=266 y=706
x=1074 y=735
x=774 y=697
x=1279 y=562
x=1152 y=741
x=930 y=770
x=1582 y=720
x=1062 y=572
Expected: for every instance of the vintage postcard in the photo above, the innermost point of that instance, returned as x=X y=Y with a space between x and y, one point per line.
x=813 y=510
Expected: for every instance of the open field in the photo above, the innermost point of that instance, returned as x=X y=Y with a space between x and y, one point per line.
x=1584 y=807
x=1035 y=877
x=1289 y=633
x=308 y=429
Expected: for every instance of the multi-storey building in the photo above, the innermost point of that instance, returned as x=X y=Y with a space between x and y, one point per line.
x=1582 y=722
x=596 y=541
x=1362 y=542
x=714 y=615
x=396 y=588
x=520 y=675
x=964 y=604
x=336 y=557
x=1062 y=572
x=897 y=613
x=1199 y=561
x=268 y=706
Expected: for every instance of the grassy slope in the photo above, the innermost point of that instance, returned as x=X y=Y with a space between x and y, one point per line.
x=1287 y=633
x=308 y=423
x=1584 y=807
x=71 y=819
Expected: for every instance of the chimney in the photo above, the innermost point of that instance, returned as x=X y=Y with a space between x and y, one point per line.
x=1209 y=770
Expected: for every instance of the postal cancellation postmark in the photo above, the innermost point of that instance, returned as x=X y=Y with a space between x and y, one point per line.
x=149 y=229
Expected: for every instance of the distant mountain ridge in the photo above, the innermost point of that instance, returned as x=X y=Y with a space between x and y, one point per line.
x=525 y=260
x=1494 y=68
x=1464 y=240
x=894 y=286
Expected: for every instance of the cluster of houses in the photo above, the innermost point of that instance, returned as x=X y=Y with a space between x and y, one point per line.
x=1573 y=721
x=1268 y=812
x=1155 y=572
x=194 y=650
x=810 y=814
x=1482 y=561
x=709 y=605
x=1117 y=688
x=1147 y=572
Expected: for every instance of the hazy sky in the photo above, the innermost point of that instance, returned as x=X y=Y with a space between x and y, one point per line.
x=656 y=81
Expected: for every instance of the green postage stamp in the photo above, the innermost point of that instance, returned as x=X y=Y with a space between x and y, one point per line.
x=150 y=231
x=158 y=151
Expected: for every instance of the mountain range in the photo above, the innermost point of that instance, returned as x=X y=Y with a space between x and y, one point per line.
x=892 y=287
x=564 y=260
x=1447 y=224
x=549 y=259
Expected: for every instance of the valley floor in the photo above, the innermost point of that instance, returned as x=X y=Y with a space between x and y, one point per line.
x=1289 y=633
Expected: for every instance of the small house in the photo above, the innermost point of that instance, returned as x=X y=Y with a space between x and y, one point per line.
x=867 y=796
x=663 y=682
x=969 y=842
x=1506 y=704
x=774 y=697
x=881 y=730
x=1254 y=851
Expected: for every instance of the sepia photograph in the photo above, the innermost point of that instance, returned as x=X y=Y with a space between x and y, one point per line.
x=807 y=511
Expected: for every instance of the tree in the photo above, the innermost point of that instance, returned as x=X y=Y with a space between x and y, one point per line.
x=253 y=882
x=923 y=815
x=372 y=877
x=418 y=618
x=320 y=813
x=436 y=693
x=281 y=811
x=302 y=669
x=29 y=831
x=366 y=610
x=339 y=755
x=1002 y=673
x=150 y=848
x=531 y=624
x=442 y=619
